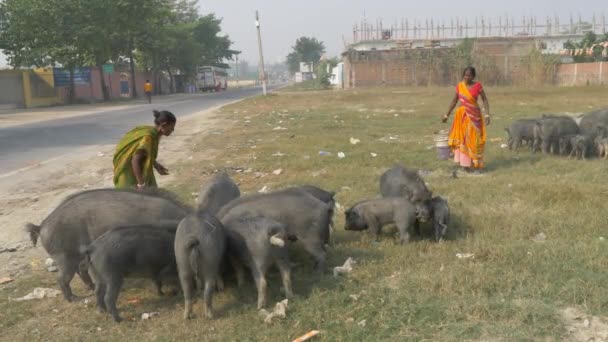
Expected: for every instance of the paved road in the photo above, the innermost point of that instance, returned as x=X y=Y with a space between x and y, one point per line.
x=28 y=144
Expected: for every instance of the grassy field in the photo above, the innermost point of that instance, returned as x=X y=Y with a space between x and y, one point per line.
x=513 y=289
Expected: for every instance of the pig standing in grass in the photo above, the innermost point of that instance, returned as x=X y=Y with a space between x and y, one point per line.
x=401 y=182
x=200 y=243
x=133 y=251
x=549 y=129
x=305 y=218
x=323 y=196
x=520 y=131
x=441 y=217
x=581 y=144
x=258 y=243
x=590 y=122
x=565 y=144
x=84 y=216
x=217 y=192
x=601 y=145
x=316 y=192
x=374 y=214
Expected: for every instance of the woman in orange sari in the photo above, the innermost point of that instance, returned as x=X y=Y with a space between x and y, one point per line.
x=468 y=134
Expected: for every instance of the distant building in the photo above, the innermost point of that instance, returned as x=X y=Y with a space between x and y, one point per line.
x=306 y=72
x=337 y=76
x=407 y=62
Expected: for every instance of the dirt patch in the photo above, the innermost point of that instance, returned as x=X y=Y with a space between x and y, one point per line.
x=583 y=327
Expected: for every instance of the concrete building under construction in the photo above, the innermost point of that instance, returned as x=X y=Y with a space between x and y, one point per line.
x=413 y=55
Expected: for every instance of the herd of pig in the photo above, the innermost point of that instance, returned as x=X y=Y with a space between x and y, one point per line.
x=579 y=137
x=106 y=235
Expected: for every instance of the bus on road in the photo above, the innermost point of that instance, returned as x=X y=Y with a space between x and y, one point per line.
x=210 y=78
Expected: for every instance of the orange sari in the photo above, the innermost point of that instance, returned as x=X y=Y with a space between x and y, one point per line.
x=468 y=134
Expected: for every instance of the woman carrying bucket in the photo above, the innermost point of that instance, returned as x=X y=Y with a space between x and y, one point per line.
x=467 y=136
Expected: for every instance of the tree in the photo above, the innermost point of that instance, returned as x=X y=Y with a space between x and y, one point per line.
x=44 y=32
x=308 y=50
x=137 y=22
x=157 y=35
x=589 y=39
x=99 y=37
x=323 y=71
x=213 y=48
x=181 y=45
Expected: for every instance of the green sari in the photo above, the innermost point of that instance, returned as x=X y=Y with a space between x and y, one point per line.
x=144 y=138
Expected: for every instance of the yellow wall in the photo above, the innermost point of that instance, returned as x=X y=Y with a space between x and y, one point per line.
x=46 y=74
x=31 y=101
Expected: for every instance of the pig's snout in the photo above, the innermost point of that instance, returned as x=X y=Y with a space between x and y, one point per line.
x=276 y=240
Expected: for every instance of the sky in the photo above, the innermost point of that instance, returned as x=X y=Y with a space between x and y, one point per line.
x=331 y=21
x=283 y=21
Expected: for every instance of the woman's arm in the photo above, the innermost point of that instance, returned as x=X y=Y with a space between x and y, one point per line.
x=451 y=108
x=486 y=106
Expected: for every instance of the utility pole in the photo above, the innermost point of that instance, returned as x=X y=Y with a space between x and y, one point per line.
x=237 y=69
x=262 y=71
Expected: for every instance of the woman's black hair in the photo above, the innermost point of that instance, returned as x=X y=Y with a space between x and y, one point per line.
x=164 y=116
x=471 y=69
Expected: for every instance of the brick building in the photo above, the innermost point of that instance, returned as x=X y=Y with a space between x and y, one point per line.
x=499 y=60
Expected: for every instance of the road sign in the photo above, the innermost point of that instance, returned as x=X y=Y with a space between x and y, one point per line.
x=108 y=68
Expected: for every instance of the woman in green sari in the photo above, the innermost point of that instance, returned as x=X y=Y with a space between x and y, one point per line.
x=135 y=156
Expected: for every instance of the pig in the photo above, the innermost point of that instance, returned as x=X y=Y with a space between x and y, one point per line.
x=84 y=216
x=401 y=182
x=591 y=121
x=258 y=243
x=536 y=142
x=217 y=192
x=375 y=213
x=311 y=190
x=520 y=131
x=565 y=144
x=440 y=211
x=322 y=195
x=200 y=245
x=601 y=145
x=305 y=218
x=580 y=146
x=131 y=251
x=318 y=193
x=549 y=129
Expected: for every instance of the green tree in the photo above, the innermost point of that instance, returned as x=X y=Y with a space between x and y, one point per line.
x=98 y=36
x=137 y=26
x=323 y=71
x=44 y=32
x=181 y=46
x=308 y=50
x=158 y=35
x=589 y=39
x=214 y=49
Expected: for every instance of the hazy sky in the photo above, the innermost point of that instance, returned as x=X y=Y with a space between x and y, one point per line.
x=283 y=21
